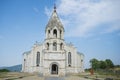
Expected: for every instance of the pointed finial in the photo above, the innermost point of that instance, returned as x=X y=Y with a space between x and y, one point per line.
x=54 y=7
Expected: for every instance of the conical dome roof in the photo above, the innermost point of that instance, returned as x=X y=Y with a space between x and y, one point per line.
x=54 y=21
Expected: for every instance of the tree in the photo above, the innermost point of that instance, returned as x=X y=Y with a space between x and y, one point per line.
x=94 y=63
x=109 y=63
x=102 y=64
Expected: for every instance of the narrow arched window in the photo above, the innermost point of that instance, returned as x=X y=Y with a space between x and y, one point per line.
x=69 y=59
x=55 y=46
x=47 y=46
x=24 y=63
x=61 y=46
x=48 y=33
x=55 y=33
x=38 y=59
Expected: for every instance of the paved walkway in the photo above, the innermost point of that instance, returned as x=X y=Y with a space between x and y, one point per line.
x=54 y=78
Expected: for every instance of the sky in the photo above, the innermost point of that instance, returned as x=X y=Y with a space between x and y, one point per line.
x=93 y=26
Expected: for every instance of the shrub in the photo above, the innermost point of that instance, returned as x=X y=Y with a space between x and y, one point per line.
x=4 y=70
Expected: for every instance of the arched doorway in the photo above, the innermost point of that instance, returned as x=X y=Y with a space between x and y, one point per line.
x=54 y=69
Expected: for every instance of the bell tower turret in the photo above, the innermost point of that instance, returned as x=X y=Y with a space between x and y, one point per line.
x=54 y=28
x=54 y=33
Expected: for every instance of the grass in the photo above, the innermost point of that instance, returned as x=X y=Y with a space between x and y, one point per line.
x=18 y=75
x=13 y=75
x=100 y=75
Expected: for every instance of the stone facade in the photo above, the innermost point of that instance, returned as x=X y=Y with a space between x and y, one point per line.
x=53 y=56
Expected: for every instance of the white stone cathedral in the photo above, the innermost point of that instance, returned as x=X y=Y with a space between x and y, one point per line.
x=53 y=56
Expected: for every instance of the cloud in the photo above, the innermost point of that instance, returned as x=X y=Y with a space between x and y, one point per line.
x=48 y=12
x=83 y=17
x=114 y=27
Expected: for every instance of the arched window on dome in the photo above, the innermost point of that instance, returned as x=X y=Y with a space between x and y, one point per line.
x=61 y=46
x=47 y=46
x=55 y=33
x=54 y=46
x=69 y=59
x=38 y=59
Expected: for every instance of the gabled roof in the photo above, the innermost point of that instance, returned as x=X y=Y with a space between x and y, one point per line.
x=54 y=21
x=27 y=52
x=80 y=53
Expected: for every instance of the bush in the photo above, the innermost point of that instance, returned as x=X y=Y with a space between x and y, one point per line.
x=4 y=70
